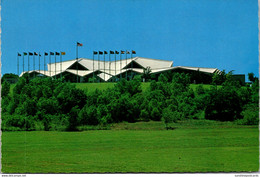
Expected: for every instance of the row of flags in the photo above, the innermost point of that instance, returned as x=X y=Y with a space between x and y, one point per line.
x=113 y=52
x=45 y=53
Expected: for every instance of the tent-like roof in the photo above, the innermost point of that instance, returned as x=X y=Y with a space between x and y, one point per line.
x=107 y=69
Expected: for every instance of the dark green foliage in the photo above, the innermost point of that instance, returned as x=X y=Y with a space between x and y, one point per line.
x=9 y=76
x=144 y=115
x=132 y=87
x=17 y=122
x=250 y=115
x=252 y=78
x=46 y=99
x=46 y=104
x=68 y=96
x=88 y=115
x=146 y=75
x=219 y=78
x=163 y=78
x=224 y=104
x=73 y=119
x=5 y=89
x=170 y=116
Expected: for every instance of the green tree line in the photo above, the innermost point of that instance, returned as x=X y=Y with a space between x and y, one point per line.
x=46 y=104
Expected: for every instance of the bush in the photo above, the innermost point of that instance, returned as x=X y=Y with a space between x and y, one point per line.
x=5 y=89
x=155 y=114
x=144 y=115
x=224 y=104
x=250 y=115
x=132 y=87
x=17 y=122
x=169 y=116
x=88 y=115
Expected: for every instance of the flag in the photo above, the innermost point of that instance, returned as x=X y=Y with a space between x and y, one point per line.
x=57 y=53
x=133 y=52
x=94 y=52
x=117 y=52
x=79 y=44
x=122 y=52
x=51 y=53
x=62 y=53
x=45 y=53
x=19 y=55
x=24 y=53
x=35 y=53
x=100 y=53
x=30 y=53
x=105 y=52
x=127 y=52
x=112 y=52
x=39 y=54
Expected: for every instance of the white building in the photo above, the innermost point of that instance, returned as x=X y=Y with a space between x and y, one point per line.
x=101 y=70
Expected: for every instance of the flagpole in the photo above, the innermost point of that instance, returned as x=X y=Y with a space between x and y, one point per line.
x=98 y=67
x=23 y=63
x=50 y=63
x=55 y=65
x=39 y=62
x=109 y=64
x=93 y=67
x=28 y=63
x=120 y=66
x=77 y=61
x=126 y=64
x=61 y=66
x=33 y=65
x=104 y=65
x=44 y=64
x=131 y=64
x=115 y=65
x=17 y=63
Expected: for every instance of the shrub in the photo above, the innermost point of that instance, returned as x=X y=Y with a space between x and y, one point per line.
x=88 y=115
x=250 y=115
x=144 y=115
x=73 y=119
x=224 y=104
x=18 y=122
x=5 y=89
x=132 y=87
x=155 y=114
x=169 y=116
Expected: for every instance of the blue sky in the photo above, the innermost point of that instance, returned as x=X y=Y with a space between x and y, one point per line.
x=220 y=34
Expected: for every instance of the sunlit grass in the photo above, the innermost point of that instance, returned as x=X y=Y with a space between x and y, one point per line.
x=180 y=150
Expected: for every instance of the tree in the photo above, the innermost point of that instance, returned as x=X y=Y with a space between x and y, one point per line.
x=5 y=89
x=252 y=77
x=73 y=119
x=169 y=116
x=219 y=78
x=224 y=104
x=9 y=76
x=146 y=73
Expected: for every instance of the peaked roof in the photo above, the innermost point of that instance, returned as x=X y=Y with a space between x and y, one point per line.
x=107 y=69
x=91 y=64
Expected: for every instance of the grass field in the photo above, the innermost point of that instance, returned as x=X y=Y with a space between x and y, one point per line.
x=216 y=149
x=103 y=86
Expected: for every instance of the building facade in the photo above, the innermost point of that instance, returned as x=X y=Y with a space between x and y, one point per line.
x=89 y=70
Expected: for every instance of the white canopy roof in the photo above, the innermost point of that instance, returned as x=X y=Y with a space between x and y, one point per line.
x=108 y=69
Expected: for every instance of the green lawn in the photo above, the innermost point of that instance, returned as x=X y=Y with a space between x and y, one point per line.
x=102 y=86
x=180 y=150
